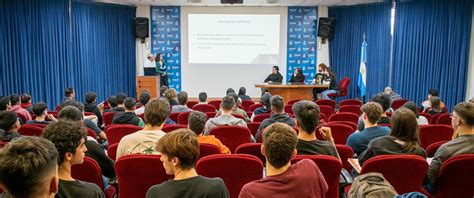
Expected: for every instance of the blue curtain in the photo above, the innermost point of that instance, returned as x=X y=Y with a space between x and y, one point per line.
x=45 y=49
x=352 y=22
x=431 y=49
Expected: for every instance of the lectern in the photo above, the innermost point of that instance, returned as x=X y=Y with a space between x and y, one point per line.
x=150 y=84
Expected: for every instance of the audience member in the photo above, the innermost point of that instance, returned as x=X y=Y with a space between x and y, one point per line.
x=394 y=96
x=242 y=94
x=29 y=168
x=120 y=103
x=16 y=107
x=303 y=179
x=403 y=139
x=462 y=143
x=384 y=101
x=163 y=90
x=226 y=118
x=427 y=104
x=41 y=112
x=229 y=90
x=421 y=120
x=371 y=113
x=69 y=114
x=69 y=138
x=202 y=98
x=307 y=119
x=91 y=106
x=196 y=122
x=435 y=106
x=179 y=154
x=112 y=104
x=143 y=141
x=172 y=96
x=267 y=108
x=278 y=115
x=236 y=109
x=182 y=101
x=129 y=116
x=69 y=94
x=9 y=123
x=143 y=98
x=5 y=104
x=26 y=102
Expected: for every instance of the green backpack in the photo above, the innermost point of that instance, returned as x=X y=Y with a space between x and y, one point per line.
x=371 y=185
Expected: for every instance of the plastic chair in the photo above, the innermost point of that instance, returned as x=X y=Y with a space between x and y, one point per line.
x=326 y=110
x=208 y=149
x=231 y=136
x=253 y=127
x=398 y=103
x=345 y=152
x=183 y=118
x=116 y=132
x=340 y=132
x=348 y=123
x=191 y=104
x=137 y=173
x=444 y=119
x=343 y=88
x=246 y=104
x=224 y=166
x=261 y=117
x=172 y=127
x=330 y=168
x=430 y=134
x=174 y=116
x=251 y=149
x=108 y=117
x=351 y=109
x=112 y=151
x=350 y=102
x=404 y=172
x=215 y=103
x=204 y=108
x=89 y=171
x=455 y=177
x=254 y=106
x=30 y=130
x=432 y=148
x=326 y=102
x=351 y=117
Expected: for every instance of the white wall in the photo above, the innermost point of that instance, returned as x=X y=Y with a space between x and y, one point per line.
x=322 y=55
x=142 y=49
x=470 y=76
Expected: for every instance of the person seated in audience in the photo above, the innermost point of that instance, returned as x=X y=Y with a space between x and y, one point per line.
x=69 y=94
x=226 y=118
x=91 y=106
x=278 y=115
x=69 y=138
x=40 y=109
x=242 y=94
x=5 y=104
x=462 y=143
x=129 y=116
x=143 y=98
x=16 y=107
x=179 y=153
x=236 y=109
x=267 y=108
x=371 y=113
x=333 y=88
x=172 y=96
x=120 y=99
x=303 y=179
x=435 y=106
x=403 y=138
x=143 y=141
x=427 y=104
x=162 y=91
x=29 y=168
x=196 y=122
x=202 y=98
x=9 y=123
x=384 y=101
x=94 y=149
x=394 y=96
x=182 y=101
x=26 y=102
x=421 y=120
x=229 y=90
x=307 y=119
x=87 y=122
x=297 y=76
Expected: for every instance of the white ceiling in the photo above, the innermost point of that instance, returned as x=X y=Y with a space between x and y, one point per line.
x=246 y=2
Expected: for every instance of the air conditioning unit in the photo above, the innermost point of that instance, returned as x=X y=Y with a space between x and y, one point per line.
x=232 y=1
x=194 y=1
x=273 y=1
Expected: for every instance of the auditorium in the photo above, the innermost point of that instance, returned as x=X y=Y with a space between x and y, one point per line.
x=237 y=98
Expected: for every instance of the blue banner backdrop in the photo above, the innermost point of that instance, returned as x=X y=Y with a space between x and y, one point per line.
x=166 y=39
x=301 y=50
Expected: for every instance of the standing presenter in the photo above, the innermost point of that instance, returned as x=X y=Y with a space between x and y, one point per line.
x=161 y=69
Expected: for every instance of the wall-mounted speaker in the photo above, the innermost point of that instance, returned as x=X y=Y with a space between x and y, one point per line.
x=326 y=27
x=141 y=27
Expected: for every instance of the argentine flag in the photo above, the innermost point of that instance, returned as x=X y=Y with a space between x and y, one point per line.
x=362 y=82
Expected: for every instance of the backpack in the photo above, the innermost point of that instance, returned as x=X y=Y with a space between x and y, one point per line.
x=371 y=185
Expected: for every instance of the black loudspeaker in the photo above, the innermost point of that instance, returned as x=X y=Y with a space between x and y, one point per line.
x=326 y=27
x=141 y=27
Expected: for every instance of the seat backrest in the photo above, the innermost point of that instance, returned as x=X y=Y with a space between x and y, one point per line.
x=224 y=166
x=172 y=127
x=30 y=130
x=88 y=171
x=254 y=106
x=108 y=117
x=344 y=116
x=191 y=104
x=174 y=116
x=455 y=177
x=253 y=127
x=183 y=118
x=251 y=149
x=288 y=109
x=211 y=114
x=427 y=116
x=430 y=134
x=204 y=108
x=348 y=123
x=292 y=102
x=326 y=110
x=398 y=103
x=246 y=104
x=351 y=109
x=330 y=168
x=231 y=136
x=343 y=86
x=432 y=148
x=112 y=151
x=3 y=144
x=327 y=102
x=137 y=173
x=215 y=103
x=91 y=133
x=404 y=172
x=434 y=118
x=444 y=119
x=261 y=117
x=345 y=152
x=208 y=149
x=116 y=132
x=350 y=102
x=340 y=132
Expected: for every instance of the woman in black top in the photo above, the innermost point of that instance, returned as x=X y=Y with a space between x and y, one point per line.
x=403 y=139
x=297 y=76
x=435 y=106
x=242 y=94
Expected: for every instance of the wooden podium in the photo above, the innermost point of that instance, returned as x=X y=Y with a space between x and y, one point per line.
x=150 y=84
x=291 y=91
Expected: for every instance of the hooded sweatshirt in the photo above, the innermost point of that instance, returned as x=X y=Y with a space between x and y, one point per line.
x=275 y=117
x=127 y=118
x=224 y=120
